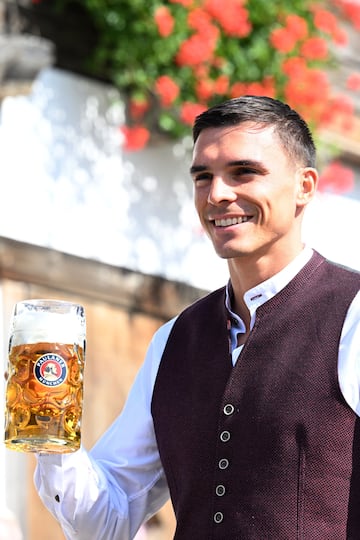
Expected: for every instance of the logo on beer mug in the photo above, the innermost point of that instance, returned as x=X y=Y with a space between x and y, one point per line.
x=50 y=370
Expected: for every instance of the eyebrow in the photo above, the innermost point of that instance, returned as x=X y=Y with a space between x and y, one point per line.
x=254 y=164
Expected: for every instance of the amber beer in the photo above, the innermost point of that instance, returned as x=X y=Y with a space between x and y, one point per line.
x=44 y=393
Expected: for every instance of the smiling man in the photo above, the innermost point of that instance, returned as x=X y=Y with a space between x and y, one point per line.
x=250 y=195
x=246 y=409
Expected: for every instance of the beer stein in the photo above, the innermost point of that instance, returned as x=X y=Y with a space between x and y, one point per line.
x=44 y=390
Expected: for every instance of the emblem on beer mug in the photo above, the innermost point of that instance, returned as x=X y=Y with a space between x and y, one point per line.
x=50 y=370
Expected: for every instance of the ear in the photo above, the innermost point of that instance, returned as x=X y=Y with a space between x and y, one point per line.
x=307 y=179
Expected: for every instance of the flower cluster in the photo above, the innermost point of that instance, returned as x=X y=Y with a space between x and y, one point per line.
x=172 y=59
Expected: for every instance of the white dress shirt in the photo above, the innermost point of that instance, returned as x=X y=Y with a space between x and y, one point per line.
x=106 y=494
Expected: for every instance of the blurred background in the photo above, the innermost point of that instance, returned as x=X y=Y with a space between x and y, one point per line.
x=96 y=105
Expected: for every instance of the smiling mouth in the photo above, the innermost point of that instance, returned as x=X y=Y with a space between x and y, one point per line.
x=226 y=222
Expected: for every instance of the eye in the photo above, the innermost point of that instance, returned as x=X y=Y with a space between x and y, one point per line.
x=244 y=171
x=202 y=178
x=243 y=174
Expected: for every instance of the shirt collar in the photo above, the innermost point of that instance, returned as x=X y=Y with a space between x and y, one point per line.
x=262 y=292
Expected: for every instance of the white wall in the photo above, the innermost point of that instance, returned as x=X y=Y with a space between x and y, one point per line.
x=66 y=184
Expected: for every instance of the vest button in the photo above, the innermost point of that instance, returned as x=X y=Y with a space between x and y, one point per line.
x=220 y=490
x=229 y=409
x=223 y=463
x=218 y=517
x=225 y=436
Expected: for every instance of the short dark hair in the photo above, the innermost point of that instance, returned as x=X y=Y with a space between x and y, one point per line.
x=292 y=130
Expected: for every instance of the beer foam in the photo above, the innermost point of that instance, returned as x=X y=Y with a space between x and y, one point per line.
x=36 y=327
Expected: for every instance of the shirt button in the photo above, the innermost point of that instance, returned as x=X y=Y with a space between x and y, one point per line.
x=225 y=436
x=218 y=517
x=220 y=490
x=223 y=463
x=229 y=409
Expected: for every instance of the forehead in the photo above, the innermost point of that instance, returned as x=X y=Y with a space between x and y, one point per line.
x=245 y=141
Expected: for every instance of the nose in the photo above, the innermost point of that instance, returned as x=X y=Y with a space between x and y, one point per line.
x=220 y=191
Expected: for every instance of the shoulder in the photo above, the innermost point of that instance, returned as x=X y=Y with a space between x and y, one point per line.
x=343 y=268
x=343 y=275
x=193 y=320
x=212 y=298
x=216 y=297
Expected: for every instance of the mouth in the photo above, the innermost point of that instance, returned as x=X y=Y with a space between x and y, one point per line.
x=227 y=222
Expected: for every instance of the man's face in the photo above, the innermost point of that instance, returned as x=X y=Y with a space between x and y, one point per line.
x=246 y=191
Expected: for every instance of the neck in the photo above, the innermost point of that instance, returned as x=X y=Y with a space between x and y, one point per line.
x=250 y=270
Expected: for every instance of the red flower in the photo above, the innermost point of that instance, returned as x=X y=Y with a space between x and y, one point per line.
x=294 y=66
x=197 y=49
x=283 y=40
x=351 y=10
x=138 y=107
x=340 y=37
x=308 y=93
x=353 y=81
x=343 y=104
x=234 y=19
x=167 y=89
x=336 y=178
x=204 y=89
x=339 y=111
x=189 y=111
x=315 y=48
x=297 y=26
x=164 y=21
x=135 y=137
x=325 y=20
x=199 y=20
x=255 y=89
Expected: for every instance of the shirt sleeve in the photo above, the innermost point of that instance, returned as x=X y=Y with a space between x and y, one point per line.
x=109 y=492
x=349 y=356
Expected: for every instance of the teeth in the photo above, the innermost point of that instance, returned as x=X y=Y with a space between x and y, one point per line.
x=230 y=221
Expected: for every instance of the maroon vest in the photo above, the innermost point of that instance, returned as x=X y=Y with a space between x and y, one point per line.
x=268 y=449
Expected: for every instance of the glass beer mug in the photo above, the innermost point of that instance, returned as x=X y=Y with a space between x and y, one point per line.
x=44 y=391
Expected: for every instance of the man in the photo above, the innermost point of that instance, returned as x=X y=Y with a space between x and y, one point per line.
x=246 y=408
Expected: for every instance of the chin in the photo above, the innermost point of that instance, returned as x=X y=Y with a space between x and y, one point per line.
x=232 y=253
x=238 y=252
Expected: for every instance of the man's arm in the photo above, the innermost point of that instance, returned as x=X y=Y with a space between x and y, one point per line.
x=108 y=492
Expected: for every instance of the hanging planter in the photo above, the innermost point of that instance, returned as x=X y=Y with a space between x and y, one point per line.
x=172 y=59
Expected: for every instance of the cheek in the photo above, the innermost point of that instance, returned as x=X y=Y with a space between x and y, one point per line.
x=286 y=209
x=279 y=204
x=200 y=200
